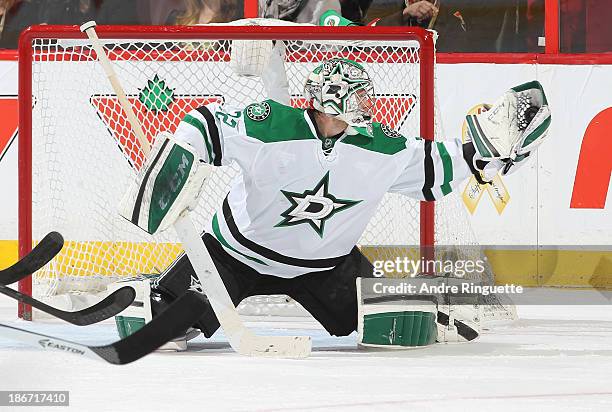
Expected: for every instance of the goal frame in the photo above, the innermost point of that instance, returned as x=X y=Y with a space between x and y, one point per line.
x=424 y=37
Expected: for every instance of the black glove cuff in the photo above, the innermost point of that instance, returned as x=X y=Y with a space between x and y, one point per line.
x=468 y=155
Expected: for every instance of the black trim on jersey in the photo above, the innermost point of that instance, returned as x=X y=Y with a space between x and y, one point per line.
x=469 y=151
x=143 y=185
x=429 y=172
x=271 y=254
x=214 y=134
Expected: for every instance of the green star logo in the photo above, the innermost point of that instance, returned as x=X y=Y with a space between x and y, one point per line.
x=313 y=207
x=350 y=73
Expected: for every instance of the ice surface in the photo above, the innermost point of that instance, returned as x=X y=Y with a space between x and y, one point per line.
x=554 y=358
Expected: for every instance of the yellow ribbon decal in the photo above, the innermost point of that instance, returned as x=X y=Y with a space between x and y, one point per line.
x=473 y=191
x=471 y=194
x=497 y=191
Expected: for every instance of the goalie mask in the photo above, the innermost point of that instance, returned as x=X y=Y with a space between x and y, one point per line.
x=342 y=88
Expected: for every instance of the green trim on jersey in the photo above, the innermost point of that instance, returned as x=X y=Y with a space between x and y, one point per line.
x=474 y=133
x=447 y=164
x=379 y=142
x=221 y=239
x=283 y=124
x=200 y=126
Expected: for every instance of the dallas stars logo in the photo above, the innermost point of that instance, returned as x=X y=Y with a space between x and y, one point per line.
x=258 y=111
x=352 y=74
x=313 y=207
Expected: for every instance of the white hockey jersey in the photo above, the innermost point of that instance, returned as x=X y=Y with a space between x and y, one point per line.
x=294 y=209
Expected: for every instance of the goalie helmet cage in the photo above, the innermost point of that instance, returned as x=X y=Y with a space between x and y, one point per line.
x=74 y=142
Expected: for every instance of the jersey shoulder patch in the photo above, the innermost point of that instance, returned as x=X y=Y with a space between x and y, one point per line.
x=272 y=122
x=258 y=112
x=383 y=139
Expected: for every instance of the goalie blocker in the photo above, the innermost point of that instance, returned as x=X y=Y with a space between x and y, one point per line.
x=169 y=182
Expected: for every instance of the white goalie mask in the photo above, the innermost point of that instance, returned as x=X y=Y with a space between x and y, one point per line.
x=342 y=88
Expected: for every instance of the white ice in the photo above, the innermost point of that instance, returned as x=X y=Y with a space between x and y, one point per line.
x=554 y=358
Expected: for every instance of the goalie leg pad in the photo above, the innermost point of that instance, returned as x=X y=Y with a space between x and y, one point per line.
x=138 y=313
x=169 y=182
x=409 y=320
x=395 y=321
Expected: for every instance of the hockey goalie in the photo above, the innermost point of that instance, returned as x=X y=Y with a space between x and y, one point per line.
x=310 y=181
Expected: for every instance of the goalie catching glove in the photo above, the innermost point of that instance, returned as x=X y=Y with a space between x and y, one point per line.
x=169 y=182
x=509 y=131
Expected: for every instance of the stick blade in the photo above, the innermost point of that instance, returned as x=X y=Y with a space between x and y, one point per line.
x=171 y=323
x=42 y=254
x=110 y=306
x=291 y=347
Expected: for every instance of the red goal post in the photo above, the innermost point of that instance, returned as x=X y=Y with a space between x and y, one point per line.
x=426 y=54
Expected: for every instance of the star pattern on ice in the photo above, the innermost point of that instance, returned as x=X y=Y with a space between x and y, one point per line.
x=313 y=207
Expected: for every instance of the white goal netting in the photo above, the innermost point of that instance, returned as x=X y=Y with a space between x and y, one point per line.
x=85 y=153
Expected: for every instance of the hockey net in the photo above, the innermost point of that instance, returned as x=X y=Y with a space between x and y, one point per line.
x=84 y=153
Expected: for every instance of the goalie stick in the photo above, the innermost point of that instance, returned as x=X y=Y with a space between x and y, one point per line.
x=38 y=257
x=172 y=322
x=106 y=308
x=241 y=339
